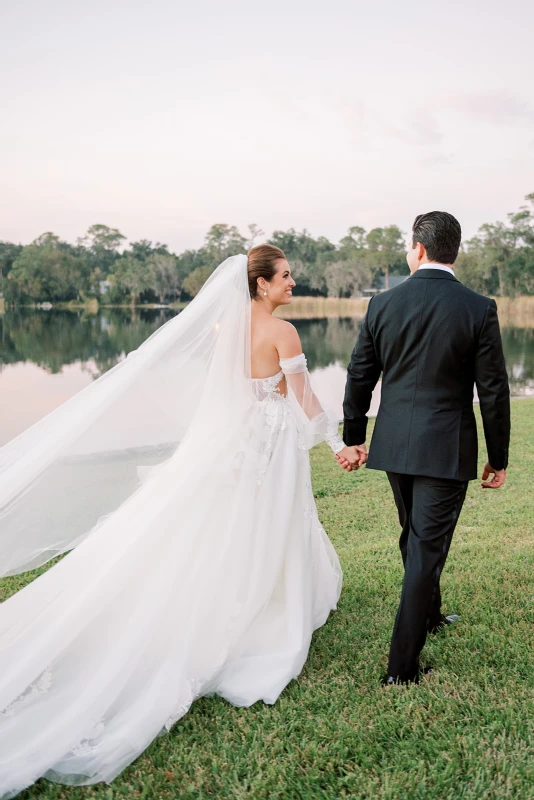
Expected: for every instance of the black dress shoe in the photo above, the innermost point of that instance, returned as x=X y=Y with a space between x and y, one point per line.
x=444 y=622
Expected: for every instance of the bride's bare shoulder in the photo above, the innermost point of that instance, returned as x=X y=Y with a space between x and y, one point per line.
x=278 y=333
x=287 y=339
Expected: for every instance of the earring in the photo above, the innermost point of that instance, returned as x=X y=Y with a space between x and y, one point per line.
x=265 y=294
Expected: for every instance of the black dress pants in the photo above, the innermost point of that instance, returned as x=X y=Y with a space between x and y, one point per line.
x=428 y=512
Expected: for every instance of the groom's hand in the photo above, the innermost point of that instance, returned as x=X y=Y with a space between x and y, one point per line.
x=499 y=477
x=352 y=458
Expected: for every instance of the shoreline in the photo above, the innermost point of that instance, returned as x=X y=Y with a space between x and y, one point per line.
x=515 y=312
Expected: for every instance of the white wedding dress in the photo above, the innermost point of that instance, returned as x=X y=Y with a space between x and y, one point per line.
x=205 y=571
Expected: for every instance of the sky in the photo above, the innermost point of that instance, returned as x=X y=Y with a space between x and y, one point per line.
x=163 y=117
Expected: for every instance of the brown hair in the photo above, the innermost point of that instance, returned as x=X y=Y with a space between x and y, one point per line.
x=262 y=264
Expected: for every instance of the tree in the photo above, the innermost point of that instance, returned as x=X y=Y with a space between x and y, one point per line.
x=8 y=253
x=500 y=258
x=167 y=277
x=351 y=270
x=47 y=239
x=472 y=268
x=495 y=244
x=190 y=260
x=196 y=280
x=254 y=232
x=49 y=270
x=133 y=277
x=221 y=242
x=27 y=274
x=521 y=270
x=387 y=249
x=144 y=248
x=338 y=279
x=103 y=238
x=307 y=257
x=522 y=223
x=102 y=244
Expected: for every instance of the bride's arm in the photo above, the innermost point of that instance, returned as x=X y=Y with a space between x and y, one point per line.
x=322 y=423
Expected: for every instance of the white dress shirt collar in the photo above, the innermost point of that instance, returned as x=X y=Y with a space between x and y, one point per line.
x=437 y=266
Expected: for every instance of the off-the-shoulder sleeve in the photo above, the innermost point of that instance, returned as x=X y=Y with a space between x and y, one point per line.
x=317 y=423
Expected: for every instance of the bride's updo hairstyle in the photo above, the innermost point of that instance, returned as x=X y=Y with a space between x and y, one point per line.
x=262 y=264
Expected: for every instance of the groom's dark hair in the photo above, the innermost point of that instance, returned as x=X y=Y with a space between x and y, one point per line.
x=440 y=234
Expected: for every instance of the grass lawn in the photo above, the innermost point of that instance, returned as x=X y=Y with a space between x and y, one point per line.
x=466 y=732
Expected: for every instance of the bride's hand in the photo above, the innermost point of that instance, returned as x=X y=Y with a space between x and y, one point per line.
x=352 y=458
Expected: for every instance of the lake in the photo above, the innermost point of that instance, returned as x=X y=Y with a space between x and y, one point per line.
x=47 y=356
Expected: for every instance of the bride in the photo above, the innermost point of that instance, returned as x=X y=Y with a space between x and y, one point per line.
x=180 y=482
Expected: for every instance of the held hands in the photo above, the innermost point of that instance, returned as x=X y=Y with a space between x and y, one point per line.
x=499 y=477
x=352 y=458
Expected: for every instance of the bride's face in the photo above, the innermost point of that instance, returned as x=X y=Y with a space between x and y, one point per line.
x=280 y=287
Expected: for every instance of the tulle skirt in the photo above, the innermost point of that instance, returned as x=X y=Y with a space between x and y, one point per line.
x=209 y=579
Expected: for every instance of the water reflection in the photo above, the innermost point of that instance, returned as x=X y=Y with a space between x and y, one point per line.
x=52 y=339
x=518 y=344
x=327 y=341
x=47 y=356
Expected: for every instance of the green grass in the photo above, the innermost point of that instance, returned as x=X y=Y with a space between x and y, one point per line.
x=466 y=732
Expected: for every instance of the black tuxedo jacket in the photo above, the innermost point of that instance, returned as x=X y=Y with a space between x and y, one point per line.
x=432 y=339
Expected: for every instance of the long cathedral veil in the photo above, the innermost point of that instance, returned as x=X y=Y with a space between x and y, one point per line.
x=186 y=385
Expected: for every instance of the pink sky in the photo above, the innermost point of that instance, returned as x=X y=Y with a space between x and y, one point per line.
x=163 y=118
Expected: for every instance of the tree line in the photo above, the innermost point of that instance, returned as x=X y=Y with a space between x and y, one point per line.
x=499 y=260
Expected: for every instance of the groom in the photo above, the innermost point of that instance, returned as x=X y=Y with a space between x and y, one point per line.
x=432 y=339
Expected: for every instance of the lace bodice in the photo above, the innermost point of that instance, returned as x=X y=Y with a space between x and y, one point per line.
x=266 y=387
x=322 y=424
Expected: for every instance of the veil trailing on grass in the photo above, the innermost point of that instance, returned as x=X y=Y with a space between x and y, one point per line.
x=186 y=384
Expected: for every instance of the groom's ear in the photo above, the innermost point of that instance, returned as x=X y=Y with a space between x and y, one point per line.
x=421 y=251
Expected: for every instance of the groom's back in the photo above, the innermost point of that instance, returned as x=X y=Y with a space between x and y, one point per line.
x=425 y=333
